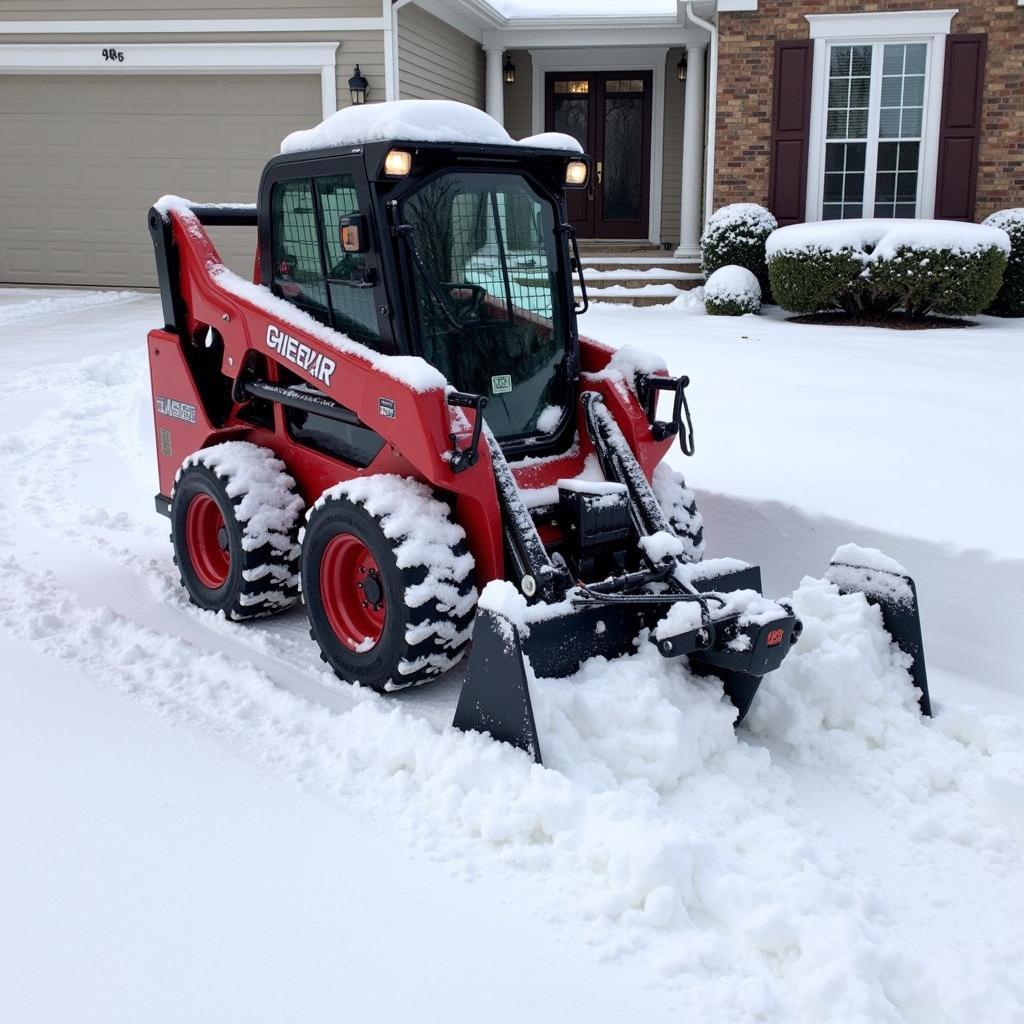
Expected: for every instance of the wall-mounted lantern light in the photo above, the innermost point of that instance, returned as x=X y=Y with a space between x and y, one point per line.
x=358 y=86
x=508 y=71
x=681 y=68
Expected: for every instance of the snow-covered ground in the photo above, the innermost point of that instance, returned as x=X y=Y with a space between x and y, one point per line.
x=199 y=824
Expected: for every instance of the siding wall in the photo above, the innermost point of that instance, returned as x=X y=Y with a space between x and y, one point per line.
x=60 y=10
x=518 y=97
x=436 y=61
x=672 y=161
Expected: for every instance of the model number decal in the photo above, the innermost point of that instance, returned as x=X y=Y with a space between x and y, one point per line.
x=386 y=407
x=314 y=363
x=176 y=410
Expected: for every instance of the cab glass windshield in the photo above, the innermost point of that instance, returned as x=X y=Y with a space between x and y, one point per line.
x=483 y=252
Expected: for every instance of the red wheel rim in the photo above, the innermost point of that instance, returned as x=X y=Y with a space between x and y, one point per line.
x=352 y=593
x=206 y=537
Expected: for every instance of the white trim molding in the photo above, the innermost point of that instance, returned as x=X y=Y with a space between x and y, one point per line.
x=188 y=26
x=647 y=58
x=179 y=58
x=930 y=27
x=881 y=24
x=521 y=34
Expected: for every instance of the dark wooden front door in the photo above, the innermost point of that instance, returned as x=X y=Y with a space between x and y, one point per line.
x=609 y=114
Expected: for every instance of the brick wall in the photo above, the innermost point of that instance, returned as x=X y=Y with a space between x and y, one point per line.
x=746 y=50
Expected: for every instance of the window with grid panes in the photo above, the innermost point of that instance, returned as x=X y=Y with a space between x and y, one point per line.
x=295 y=249
x=352 y=303
x=874 y=130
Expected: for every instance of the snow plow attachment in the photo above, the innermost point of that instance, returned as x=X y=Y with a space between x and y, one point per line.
x=885 y=583
x=727 y=630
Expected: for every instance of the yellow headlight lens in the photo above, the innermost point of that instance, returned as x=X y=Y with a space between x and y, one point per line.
x=576 y=172
x=398 y=163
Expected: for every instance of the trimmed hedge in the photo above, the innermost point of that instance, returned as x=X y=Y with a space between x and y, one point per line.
x=873 y=267
x=732 y=291
x=923 y=281
x=735 y=236
x=1010 y=300
x=817 y=279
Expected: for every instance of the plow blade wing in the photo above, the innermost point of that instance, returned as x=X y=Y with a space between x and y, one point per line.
x=895 y=594
x=495 y=695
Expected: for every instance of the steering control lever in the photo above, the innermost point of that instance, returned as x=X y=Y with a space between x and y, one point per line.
x=463 y=458
x=648 y=386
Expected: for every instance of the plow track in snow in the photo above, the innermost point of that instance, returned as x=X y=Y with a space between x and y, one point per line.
x=836 y=860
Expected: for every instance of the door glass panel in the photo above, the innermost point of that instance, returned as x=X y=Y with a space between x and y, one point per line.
x=576 y=87
x=624 y=85
x=623 y=157
x=571 y=115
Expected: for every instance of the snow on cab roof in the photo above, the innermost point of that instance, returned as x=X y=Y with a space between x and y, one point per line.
x=416 y=121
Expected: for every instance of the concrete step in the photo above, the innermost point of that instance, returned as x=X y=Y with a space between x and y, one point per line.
x=638 y=281
x=645 y=293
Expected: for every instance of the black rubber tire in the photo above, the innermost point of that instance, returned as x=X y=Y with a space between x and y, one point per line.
x=260 y=582
x=679 y=504
x=439 y=634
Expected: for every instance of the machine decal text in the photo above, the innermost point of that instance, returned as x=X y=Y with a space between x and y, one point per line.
x=175 y=409
x=314 y=363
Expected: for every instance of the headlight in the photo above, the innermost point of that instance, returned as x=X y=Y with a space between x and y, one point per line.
x=398 y=163
x=576 y=173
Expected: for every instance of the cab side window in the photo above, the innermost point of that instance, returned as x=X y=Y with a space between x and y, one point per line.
x=351 y=292
x=295 y=250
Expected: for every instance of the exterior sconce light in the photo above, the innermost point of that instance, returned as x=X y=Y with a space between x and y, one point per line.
x=358 y=86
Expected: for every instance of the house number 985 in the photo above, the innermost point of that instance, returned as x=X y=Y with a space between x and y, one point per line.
x=115 y=55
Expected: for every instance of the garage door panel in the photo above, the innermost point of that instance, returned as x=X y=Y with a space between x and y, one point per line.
x=83 y=157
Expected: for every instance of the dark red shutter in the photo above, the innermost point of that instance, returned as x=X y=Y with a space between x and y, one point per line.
x=960 y=127
x=791 y=119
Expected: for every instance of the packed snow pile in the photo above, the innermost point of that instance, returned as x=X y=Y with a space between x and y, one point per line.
x=881 y=239
x=836 y=859
x=732 y=291
x=415 y=121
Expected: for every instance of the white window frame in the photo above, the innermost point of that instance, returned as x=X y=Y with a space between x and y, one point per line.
x=929 y=27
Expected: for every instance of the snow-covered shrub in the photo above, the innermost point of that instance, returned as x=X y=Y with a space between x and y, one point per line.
x=1010 y=300
x=732 y=291
x=735 y=236
x=876 y=266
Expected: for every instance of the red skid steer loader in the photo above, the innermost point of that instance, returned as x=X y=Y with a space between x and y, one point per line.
x=405 y=368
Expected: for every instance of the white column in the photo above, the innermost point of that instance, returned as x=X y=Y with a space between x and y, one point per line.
x=691 y=222
x=494 y=84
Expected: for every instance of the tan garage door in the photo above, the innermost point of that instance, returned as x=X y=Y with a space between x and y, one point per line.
x=83 y=157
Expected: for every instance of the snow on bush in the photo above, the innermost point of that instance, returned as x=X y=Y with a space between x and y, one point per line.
x=876 y=266
x=736 y=235
x=732 y=291
x=416 y=121
x=1010 y=300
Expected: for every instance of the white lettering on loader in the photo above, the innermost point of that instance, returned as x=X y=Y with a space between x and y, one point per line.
x=314 y=363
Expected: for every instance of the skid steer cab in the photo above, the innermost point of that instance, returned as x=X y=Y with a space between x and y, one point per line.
x=397 y=410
